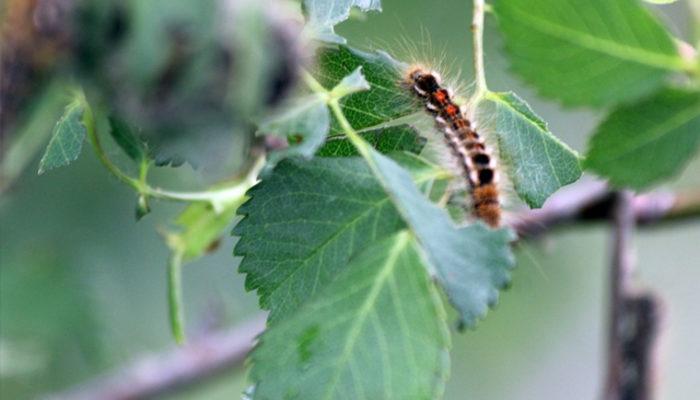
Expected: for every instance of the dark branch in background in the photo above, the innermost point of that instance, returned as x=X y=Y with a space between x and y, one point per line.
x=584 y=202
x=643 y=317
x=634 y=317
x=619 y=283
x=591 y=201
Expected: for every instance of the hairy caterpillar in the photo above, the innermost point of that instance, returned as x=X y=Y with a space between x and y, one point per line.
x=475 y=159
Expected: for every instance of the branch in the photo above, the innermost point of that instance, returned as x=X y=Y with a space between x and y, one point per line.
x=620 y=275
x=158 y=374
x=643 y=317
x=592 y=201
x=634 y=317
x=586 y=201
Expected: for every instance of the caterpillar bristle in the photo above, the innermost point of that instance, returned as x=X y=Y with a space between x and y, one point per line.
x=475 y=159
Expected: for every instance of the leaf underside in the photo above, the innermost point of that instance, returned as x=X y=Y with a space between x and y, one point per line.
x=643 y=143
x=323 y=15
x=305 y=124
x=200 y=227
x=470 y=263
x=67 y=140
x=538 y=163
x=127 y=139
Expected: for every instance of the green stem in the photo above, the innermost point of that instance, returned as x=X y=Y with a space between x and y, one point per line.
x=143 y=170
x=477 y=28
x=90 y=126
x=350 y=132
x=334 y=105
x=218 y=197
x=313 y=84
x=175 y=302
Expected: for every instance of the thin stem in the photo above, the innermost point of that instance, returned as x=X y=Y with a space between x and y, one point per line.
x=334 y=105
x=175 y=302
x=89 y=121
x=218 y=197
x=477 y=28
x=350 y=132
x=143 y=170
x=313 y=84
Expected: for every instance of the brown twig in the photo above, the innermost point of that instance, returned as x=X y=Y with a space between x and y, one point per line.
x=584 y=202
x=640 y=329
x=592 y=201
x=624 y=221
x=634 y=317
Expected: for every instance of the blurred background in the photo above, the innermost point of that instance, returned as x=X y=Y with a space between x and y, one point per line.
x=82 y=285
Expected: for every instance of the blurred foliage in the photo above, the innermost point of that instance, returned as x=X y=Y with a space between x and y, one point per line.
x=67 y=138
x=188 y=77
x=667 y=137
x=89 y=303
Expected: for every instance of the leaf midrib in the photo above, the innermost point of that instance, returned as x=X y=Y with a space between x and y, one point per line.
x=678 y=120
x=541 y=133
x=402 y=240
x=601 y=45
x=59 y=139
x=335 y=235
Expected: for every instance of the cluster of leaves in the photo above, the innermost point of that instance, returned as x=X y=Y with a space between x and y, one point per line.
x=341 y=248
x=141 y=82
x=343 y=240
x=613 y=54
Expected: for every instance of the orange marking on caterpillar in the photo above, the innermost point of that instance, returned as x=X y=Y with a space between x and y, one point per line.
x=477 y=165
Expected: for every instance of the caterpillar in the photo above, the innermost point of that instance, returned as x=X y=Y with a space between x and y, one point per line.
x=475 y=159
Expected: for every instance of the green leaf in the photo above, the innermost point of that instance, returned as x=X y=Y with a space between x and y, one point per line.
x=538 y=163
x=376 y=332
x=304 y=222
x=353 y=83
x=304 y=124
x=470 y=263
x=385 y=140
x=384 y=102
x=587 y=52
x=324 y=15
x=200 y=229
x=640 y=144
x=127 y=139
x=67 y=140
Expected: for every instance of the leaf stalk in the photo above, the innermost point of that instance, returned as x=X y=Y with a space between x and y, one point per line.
x=477 y=28
x=218 y=198
x=175 y=300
